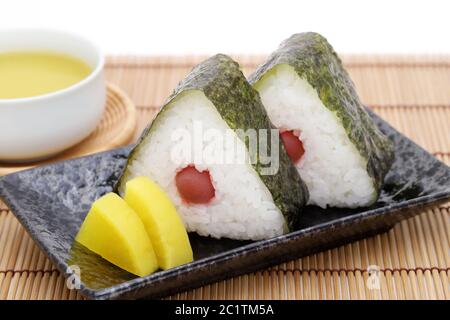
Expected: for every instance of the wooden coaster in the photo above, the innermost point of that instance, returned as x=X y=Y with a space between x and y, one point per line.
x=114 y=130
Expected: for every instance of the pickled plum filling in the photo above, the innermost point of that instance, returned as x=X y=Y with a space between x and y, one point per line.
x=293 y=145
x=194 y=186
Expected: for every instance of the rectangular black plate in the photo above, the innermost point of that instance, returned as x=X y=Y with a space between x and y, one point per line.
x=52 y=201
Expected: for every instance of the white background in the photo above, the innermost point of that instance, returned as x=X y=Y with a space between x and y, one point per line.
x=231 y=26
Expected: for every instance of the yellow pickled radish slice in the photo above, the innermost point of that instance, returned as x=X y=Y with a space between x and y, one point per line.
x=163 y=224
x=115 y=232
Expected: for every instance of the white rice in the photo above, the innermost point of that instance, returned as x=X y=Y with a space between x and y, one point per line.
x=332 y=168
x=242 y=208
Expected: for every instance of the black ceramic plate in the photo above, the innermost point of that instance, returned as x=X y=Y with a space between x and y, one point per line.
x=52 y=201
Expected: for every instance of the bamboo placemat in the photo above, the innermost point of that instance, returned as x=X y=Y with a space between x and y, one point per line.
x=412 y=93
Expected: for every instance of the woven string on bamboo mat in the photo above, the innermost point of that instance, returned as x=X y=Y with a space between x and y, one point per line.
x=411 y=93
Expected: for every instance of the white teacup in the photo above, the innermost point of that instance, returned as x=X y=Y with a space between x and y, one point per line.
x=38 y=127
